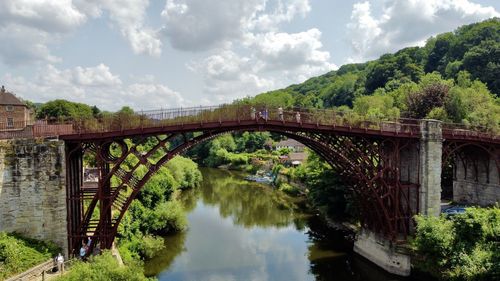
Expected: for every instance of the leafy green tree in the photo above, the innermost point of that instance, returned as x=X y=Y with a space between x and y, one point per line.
x=438 y=48
x=63 y=109
x=341 y=91
x=376 y=106
x=483 y=62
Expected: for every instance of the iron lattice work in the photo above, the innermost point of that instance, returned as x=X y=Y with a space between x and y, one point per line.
x=369 y=165
x=475 y=155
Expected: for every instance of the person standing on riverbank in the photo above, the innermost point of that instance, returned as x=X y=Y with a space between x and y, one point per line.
x=60 y=263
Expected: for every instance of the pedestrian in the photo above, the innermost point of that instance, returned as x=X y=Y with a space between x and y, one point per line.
x=60 y=263
x=266 y=115
x=252 y=113
x=280 y=113
x=83 y=251
x=297 y=116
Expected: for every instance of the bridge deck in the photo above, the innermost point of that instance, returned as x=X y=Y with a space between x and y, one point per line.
x=237 y=118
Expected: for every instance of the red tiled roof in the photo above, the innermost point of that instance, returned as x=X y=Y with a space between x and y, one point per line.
x=7 y=98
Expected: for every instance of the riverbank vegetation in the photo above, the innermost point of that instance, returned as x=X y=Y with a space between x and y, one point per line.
x=103 y=267
x=157 y=210
x=462 y=247
x=19 y=253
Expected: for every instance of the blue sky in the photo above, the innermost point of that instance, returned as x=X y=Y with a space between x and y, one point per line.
x=170 y=53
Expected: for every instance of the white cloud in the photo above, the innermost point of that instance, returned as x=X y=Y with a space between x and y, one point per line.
x=129 y=16
x=27 y=28
x=197 y=25
x=228 y=76
x=273 y=60
x=22 y=44
x=408 y=23
x=285 y=11
x=48 y=15
x=30 y=27
x=95 y=86
x=95 y=76
x=285 y=51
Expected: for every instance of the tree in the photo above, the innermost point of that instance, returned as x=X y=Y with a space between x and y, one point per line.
x=483 y=62
x=63 y=110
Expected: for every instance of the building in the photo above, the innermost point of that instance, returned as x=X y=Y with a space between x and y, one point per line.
x=290 y=144
x=297 y=158
x=14 y=114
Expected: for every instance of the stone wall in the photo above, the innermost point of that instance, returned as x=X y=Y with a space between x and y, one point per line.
x=32 y=189
x=476 y=181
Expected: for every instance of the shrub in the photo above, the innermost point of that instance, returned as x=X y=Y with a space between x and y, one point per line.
x=18 y=253
x=103 y=267
x=290 y=189
x=464 y=247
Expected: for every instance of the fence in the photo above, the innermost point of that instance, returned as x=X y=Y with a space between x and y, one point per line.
x=231 y=113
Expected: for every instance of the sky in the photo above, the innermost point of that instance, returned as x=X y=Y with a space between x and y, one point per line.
x=151 y=54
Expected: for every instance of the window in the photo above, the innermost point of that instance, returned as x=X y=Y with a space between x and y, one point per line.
x=10 y=122
x=9 y=108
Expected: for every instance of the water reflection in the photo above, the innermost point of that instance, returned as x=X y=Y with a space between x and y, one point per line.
x=243 y=231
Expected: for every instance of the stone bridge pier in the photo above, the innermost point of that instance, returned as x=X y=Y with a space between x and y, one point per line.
x=33 y=189
x=420 y=164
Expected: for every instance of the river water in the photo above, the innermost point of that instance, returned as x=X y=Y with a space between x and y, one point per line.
x=247 y=231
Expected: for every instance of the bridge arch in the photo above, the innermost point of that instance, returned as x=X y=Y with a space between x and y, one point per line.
x=368 y=164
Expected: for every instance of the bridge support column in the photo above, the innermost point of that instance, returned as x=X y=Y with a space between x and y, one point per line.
x=431 y=143
x=382 y=252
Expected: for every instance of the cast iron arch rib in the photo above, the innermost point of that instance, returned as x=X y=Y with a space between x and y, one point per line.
x=367 y=164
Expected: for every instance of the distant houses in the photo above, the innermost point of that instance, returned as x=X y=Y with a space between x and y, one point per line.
x=291 y=144
x=297 y=154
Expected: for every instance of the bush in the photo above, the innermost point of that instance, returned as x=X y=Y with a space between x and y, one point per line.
x=18 y=253
x=185 y=172
x=289 y=189
x=103 y=267
x=465 y=247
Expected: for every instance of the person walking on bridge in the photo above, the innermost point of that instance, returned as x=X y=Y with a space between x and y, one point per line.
x=297 y=116
x=280 y=113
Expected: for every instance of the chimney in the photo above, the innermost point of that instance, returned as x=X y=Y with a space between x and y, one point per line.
x=2 y=90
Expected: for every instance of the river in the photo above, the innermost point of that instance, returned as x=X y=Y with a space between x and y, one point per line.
x=240 y=230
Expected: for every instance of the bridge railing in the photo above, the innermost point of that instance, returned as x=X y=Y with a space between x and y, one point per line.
x=237 y=112
x=232 y=113
x=469 y=131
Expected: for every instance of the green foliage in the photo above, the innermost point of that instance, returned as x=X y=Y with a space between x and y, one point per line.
x=327 y=193
x=464 y=247
x=375 y=107
x=156 y=210
x=64 y=110
x=185 y=172
x=483 y=62
x=18 y=253
x=289 y=189
x=140 y=246
x=103 y=267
